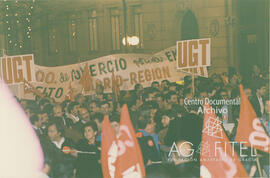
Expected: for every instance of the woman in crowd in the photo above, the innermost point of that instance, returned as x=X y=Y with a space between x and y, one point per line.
x=88 y=155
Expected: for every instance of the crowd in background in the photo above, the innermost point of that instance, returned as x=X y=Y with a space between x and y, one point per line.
x=70 y=131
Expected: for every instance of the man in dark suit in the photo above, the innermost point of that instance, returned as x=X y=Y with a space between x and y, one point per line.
x=36 y=123
x=257 y=100
x=148 y=141
x=60 y=150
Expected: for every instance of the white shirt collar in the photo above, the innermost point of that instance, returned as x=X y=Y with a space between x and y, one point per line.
x=59 y=145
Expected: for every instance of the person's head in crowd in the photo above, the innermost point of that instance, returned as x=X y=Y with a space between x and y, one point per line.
x=164 y=85
x=154 y=108
x=100 y=97
x=111 y=106
x=109 y=96
x=223 y=94
x=98 y=119
x=90 y=131
x=203 y=93
x=80 y=98
x=172 y=98
x=138 y=89
x=217 y=79
x=93 y=108
x=115 y=122
x=23 y=102
x=64 y=105
x=180 y=90
x=55 y=130
x=99 y=88
x=43 y=102
x=166 y=117
x=179 y=111
x=159 y=99
x=147 y=95
x=173 y=87
x=188 y=93
x=132 y=105
x=256 y=70
x=234 y=77
x=57 y=110
x=155 y=84
x=154 y=92
x=139 y=102
x=260 y=88
x=151 y=106
x=145 y=122
x=73 y=108
x=104 y=106
x=48 y=108
x=84 y=114
x=35 y=121
x=44 y=116
x=27 y=111
x=125 y=94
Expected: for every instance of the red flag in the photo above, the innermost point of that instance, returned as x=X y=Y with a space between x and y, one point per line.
x=250 y=130
x=71 y=93
x=28 y=88
x=115 y=87
x=129 y=160
x=108 y=149
x=86 y=79
x=218 y=158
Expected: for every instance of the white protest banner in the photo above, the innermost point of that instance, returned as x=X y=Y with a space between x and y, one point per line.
x=14 y=69
x=193 y=53
x=129 y=69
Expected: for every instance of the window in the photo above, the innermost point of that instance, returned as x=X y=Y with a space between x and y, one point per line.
x=93 y=36
x=52 y=39
x=138 y=24
x=72 y=34
x=115 y=28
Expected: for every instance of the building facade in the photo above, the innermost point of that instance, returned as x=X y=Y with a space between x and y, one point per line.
x=66 y=32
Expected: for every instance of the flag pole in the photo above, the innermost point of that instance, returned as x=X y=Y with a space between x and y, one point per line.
x=258 y=163
x=193 y=85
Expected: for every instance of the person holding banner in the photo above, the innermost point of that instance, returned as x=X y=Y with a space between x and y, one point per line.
x=87 y=164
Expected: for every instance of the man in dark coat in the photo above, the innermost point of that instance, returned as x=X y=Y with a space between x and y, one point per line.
x=59 y=150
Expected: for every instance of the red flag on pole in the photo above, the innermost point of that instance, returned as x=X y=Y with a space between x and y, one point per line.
x=108 y=149
x=129 y=160
x=71 y=93
x=28 y=88
x=250 y=130
x=115 y=87
x=86 y=79
x=218 y=158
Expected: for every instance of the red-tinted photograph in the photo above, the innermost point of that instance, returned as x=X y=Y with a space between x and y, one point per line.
x=134 y=89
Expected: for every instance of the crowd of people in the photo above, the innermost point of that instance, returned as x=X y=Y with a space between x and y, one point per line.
x=70 y=131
